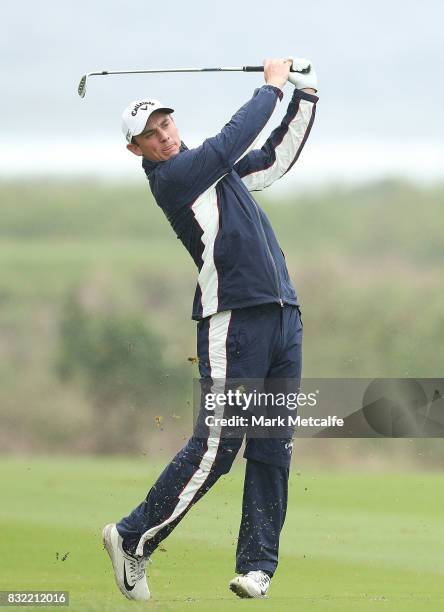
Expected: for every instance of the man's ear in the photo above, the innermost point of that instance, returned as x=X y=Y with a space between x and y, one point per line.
x=134 y=149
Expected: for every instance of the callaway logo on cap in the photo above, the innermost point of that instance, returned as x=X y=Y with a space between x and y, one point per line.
x=137 y=113
x=142 y=106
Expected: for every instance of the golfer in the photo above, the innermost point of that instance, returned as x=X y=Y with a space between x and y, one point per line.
x=247 y=313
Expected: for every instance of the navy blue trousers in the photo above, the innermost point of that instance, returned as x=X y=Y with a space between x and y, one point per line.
x=261 y=342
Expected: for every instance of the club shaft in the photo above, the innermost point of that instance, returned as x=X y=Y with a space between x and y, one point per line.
x=160 y=70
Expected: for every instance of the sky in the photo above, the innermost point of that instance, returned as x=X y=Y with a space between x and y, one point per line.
x=379 y=66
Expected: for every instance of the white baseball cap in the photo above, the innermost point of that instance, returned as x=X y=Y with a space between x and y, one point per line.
x=137 y=113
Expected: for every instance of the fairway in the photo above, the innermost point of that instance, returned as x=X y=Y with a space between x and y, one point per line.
x=352 y=541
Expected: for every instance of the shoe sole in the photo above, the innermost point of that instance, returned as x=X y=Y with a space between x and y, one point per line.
x=107 y=544
x=240 y=591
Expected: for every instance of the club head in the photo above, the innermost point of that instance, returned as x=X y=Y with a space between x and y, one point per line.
x=82 y=86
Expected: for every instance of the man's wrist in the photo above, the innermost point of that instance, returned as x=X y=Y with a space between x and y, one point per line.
x=309 y=90
x=275 y=83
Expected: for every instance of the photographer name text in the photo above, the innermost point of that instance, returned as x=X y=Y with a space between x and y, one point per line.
x=279 y=421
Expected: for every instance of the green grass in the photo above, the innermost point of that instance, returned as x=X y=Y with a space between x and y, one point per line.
x=352 y=541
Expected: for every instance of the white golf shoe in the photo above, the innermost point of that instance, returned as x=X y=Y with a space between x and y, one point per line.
x=253 y=584
x=129 y=571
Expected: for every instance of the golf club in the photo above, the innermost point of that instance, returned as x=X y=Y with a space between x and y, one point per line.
x=82 y=85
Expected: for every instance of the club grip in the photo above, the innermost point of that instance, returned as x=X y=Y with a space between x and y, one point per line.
x=261 y=69
x=253 y=68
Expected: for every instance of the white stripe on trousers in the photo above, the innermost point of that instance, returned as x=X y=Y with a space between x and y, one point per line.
x=217 y=337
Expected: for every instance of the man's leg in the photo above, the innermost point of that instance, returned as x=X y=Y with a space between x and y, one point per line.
x=183 y=482
x=268 y=462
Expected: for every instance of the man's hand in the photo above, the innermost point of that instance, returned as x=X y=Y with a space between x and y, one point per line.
x=276 y=71
x=303 y=80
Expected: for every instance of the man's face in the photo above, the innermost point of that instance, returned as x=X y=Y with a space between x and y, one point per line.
x=159 y=140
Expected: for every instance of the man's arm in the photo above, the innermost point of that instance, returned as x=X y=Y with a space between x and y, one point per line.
x=261 y=167
x=192 y=172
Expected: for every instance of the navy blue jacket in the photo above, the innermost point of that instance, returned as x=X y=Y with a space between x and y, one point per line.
x=205 y=194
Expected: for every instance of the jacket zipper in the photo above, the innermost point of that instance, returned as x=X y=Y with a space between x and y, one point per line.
x=276 y=273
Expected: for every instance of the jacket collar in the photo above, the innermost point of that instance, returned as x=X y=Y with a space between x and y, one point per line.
x=149 y=166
